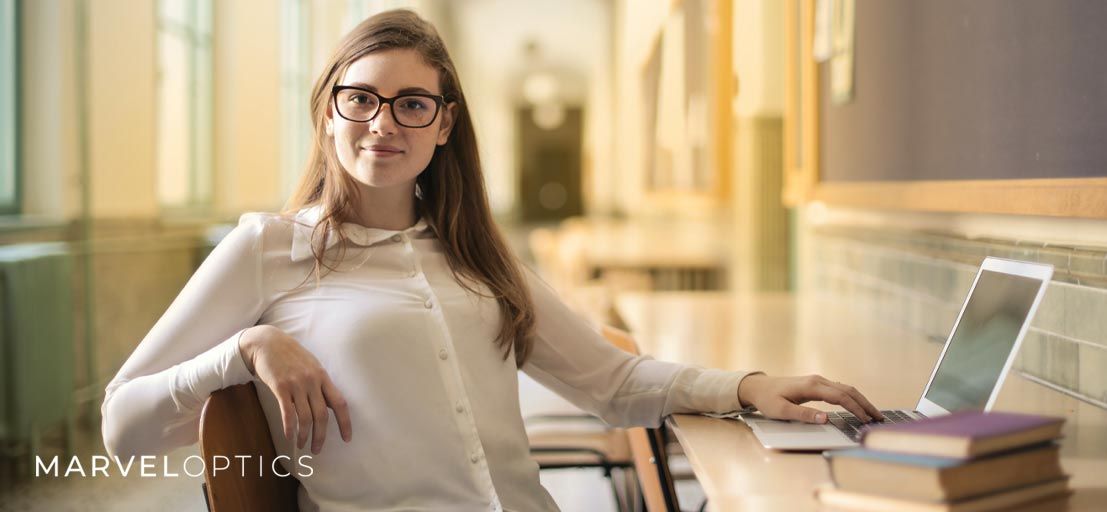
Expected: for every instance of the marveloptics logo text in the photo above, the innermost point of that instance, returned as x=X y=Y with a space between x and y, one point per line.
x=147 y=467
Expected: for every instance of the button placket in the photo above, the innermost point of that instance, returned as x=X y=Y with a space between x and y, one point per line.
x=456 y=388
x=416 y=268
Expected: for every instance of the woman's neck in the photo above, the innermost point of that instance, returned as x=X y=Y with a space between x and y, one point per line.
x=385 y=208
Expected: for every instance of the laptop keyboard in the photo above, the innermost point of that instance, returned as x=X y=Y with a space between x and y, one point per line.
x=851 y=426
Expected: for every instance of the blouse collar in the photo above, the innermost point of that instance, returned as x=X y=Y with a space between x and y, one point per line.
x=307 y=218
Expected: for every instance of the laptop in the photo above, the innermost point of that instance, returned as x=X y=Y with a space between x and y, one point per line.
x=970 y=370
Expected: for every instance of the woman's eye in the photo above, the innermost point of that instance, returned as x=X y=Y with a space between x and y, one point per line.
x=413 y=105
x=360 y=99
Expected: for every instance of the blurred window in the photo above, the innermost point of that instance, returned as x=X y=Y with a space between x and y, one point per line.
x=184 y=104
x=295 y=90
x=9 y=101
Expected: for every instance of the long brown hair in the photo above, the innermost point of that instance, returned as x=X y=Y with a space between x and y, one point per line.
x=450 y=191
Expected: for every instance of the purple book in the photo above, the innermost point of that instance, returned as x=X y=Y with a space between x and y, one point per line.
x=965 y=434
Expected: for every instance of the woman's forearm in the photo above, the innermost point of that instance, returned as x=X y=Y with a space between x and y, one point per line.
x=152 y=414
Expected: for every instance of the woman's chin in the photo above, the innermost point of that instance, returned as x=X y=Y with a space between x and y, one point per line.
x=379 y=178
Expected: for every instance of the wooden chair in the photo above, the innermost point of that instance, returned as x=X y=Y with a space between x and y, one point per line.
x=233 y=423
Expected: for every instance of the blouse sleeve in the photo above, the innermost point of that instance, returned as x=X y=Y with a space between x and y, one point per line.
x=153 y=404
x=574 y=360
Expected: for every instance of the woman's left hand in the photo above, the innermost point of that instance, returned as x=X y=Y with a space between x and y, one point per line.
x=779 y=397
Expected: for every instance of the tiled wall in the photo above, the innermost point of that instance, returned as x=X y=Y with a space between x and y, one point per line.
x=920 y=279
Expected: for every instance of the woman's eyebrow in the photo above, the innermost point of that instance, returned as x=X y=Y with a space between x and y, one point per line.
x=405 y=90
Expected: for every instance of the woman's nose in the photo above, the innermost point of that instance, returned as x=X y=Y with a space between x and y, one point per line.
x=384 y=123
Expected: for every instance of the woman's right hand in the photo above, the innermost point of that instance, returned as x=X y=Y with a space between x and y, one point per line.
x=303 y=388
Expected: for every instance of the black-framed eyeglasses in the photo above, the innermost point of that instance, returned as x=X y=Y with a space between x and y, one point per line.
x=410 y=110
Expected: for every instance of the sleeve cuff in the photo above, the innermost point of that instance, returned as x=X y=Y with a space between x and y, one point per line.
x=220 y=367
x=717 y=390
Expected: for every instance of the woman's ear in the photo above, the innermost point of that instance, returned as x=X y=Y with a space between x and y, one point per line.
x=448 y=117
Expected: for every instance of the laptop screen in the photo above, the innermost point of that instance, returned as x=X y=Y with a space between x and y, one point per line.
x=977 y=354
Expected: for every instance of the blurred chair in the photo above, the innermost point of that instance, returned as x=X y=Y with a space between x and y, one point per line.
x=233 y=423
x=651 y=464
x=650 y=448
x=566 y=447
x=637 y=451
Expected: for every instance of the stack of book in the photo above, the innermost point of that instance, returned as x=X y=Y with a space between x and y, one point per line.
x=964 y=462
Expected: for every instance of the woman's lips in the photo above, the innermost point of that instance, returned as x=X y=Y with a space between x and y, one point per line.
x=383 y=151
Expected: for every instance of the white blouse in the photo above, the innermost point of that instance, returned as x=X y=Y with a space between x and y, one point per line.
x=434 y=406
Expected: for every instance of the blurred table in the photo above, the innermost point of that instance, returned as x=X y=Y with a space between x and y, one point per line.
x=641 y=254
x=784 y=334
x=669 y=255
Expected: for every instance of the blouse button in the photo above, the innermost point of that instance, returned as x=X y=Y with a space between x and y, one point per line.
x=474 y=459
x=395 y=238
x=442 y=354
x=459 y=408
x=428 y=304
x=411 y=273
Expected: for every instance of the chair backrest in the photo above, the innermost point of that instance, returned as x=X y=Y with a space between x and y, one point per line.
x=233 y=423
x=651 y=461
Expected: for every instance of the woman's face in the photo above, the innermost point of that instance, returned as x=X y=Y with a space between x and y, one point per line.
x=381 y=153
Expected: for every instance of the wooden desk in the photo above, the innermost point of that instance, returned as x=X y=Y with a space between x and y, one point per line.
x=783 y=334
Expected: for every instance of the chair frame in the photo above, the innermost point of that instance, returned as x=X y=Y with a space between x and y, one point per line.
x=232 y=423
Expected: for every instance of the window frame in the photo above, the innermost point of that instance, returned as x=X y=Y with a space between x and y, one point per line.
x=295 y=73
x=11 y=90
x=198 y=32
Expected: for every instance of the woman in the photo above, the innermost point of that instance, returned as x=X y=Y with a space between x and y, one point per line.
x=386 y=296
